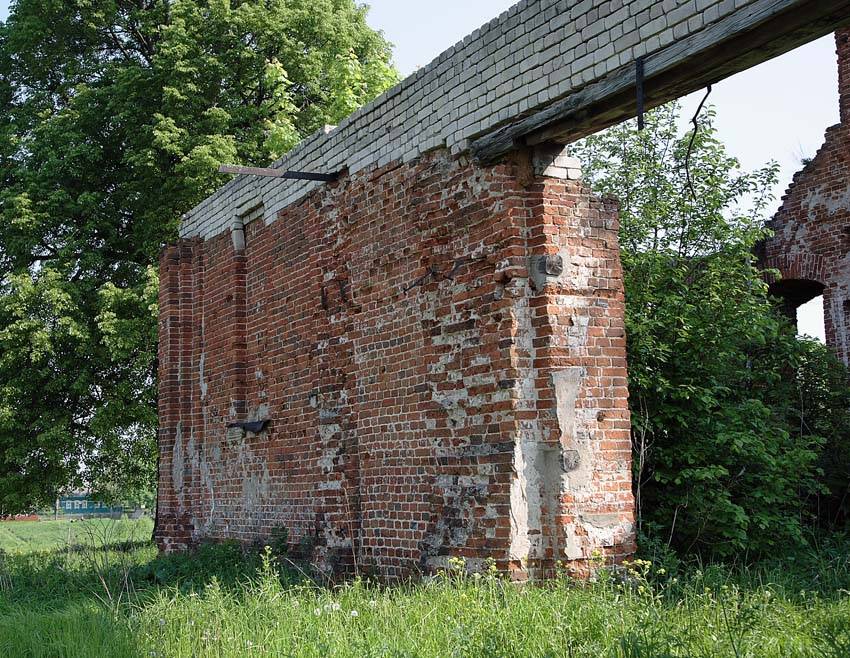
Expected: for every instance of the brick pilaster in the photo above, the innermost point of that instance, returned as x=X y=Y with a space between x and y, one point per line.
x=176 y=339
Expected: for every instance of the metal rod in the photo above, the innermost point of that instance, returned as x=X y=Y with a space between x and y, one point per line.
x=277 y=173
x=641 y=98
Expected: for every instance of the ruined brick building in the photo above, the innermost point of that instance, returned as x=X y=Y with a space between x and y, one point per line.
x=811 y=245
x=426 y=358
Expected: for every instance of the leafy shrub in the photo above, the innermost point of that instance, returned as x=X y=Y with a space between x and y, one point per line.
x=822 y=409
x=279 y=541
x=227 y=561
x=737 y=424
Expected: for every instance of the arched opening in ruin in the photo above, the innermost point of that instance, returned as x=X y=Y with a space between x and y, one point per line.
x=800 y=298
x=811 y=320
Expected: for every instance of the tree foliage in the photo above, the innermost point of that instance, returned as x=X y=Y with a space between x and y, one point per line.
x=731 y=411
x=115 y=117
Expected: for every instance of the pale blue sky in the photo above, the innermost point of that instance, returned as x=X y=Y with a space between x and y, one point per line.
x=778 y=110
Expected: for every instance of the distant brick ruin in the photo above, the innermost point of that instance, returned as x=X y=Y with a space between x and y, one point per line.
x=426 y=358
x=811 y=245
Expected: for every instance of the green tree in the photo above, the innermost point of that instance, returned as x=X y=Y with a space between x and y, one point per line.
x=115 y=116
x=726 y=444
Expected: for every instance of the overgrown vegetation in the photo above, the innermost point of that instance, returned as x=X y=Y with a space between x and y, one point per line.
x=222 y=602
x=115 y=117
x=740 y=429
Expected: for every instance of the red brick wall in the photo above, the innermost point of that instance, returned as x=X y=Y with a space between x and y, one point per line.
x=842 y=41
x=439 y=350
x=812 y=228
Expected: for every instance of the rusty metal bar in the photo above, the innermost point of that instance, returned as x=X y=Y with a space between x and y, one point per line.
x=641 y=96
x=277 y=173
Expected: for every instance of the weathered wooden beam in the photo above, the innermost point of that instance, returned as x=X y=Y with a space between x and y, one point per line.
x=276 y=173
x=741 y=40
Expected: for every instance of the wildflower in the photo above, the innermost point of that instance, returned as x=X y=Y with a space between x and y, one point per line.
x=457 y=564
x=162 y=622
x=373 y=603
x=317 y=612
x=354 y=613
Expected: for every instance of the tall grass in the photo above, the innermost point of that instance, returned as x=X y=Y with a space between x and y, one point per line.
x=221 y=603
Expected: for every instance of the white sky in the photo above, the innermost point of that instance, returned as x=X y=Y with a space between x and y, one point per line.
x=776 y=111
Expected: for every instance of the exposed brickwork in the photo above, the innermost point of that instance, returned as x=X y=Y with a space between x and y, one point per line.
x=842 y=42
x=440 y=350
x=437 y=346
x=812 y=228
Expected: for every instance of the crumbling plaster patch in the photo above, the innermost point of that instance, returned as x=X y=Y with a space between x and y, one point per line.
x=202 y=382
x=178 y=464
x=828 y=199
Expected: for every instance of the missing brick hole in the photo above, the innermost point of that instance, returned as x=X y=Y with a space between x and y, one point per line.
x=253 y=427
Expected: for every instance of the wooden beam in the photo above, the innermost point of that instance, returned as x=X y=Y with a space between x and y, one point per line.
x=739 y=41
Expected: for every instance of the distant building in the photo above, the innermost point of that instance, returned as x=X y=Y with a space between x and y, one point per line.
x=84 y=504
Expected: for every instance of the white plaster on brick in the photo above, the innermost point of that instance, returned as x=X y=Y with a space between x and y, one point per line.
x=178 y=465
x=202 y=382
x=832 y=201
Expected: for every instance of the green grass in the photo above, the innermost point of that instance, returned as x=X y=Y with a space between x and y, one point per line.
x=221 y=603
x=30 y=536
